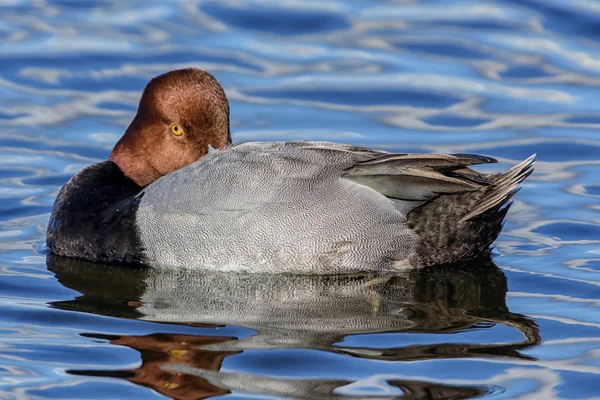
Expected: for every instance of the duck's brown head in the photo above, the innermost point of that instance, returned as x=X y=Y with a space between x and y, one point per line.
x=181 y=113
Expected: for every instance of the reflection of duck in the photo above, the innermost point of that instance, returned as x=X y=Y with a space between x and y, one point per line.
x=178 y=366
x=308 y=312
x=308 y=207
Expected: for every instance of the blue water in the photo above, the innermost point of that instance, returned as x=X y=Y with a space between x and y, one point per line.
x=500 y=78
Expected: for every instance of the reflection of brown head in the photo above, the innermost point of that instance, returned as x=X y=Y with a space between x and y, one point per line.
x=160 y=350
x=180 y=114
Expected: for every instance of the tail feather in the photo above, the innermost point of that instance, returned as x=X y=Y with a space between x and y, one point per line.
x=503 y=188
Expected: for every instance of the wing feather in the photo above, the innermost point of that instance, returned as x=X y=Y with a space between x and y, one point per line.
x=418 y=177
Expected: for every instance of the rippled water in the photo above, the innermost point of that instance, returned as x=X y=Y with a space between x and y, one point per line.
x=504 y=78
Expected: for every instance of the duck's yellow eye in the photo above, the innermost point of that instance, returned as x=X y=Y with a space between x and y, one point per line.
x=176 y=130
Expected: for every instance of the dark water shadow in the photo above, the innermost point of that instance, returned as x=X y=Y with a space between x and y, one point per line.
x=293 y=312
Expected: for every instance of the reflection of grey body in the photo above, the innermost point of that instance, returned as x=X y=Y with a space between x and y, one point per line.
x=319 y=311
x=308 y=312
x=325 y=389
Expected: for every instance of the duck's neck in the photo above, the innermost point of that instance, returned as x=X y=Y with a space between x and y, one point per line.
x=94 y=216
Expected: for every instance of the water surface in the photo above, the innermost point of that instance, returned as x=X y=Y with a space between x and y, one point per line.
x=502 y=78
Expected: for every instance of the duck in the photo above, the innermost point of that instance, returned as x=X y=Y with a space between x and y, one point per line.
x=177 y=193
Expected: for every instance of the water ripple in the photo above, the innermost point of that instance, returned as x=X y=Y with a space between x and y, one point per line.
x=505 y=78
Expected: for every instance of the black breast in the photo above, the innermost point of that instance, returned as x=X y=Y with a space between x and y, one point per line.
x=93 y=217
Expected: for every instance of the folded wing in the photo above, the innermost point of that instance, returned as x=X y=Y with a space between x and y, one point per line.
x=420 y=177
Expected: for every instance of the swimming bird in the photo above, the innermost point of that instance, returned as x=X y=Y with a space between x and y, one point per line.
x=310 y=207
